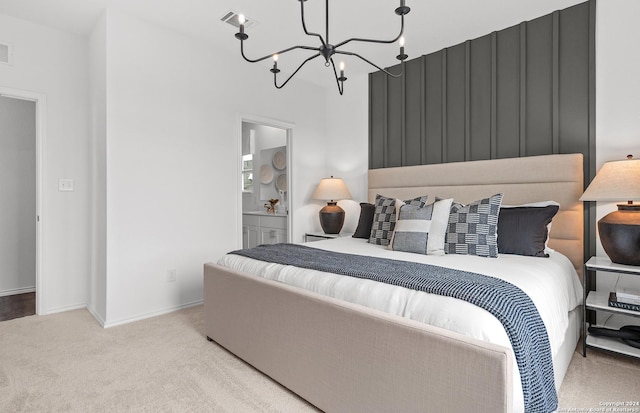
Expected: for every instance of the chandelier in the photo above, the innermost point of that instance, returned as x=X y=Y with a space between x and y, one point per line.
x=326 y=49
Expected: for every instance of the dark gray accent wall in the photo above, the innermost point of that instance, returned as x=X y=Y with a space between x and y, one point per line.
x=522 y=91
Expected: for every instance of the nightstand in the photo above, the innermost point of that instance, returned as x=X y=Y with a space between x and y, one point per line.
x=599 y=301
x=319 y=236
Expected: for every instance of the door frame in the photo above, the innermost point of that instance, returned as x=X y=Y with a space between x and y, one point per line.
x=260 y=120
x=41 y=111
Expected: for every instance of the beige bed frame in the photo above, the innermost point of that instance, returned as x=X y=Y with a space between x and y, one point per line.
x=343 y=357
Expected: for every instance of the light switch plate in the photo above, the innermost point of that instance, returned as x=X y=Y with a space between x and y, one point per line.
x=65 y=185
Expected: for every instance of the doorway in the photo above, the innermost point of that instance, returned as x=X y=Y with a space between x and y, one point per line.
x=21 y=123
x=265 y=181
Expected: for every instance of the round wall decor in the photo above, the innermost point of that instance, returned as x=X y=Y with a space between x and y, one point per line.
x=280 y=160
x=266 y=174
x=281 y=182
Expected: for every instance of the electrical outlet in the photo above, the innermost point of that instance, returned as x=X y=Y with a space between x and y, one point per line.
x=171 y=276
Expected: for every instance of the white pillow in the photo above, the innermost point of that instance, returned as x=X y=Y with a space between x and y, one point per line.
x=430 y=225
x=439 y=223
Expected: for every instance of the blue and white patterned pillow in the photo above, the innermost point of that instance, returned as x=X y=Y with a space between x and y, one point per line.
x=473 y=228
x=421 y=230
x=384 y=218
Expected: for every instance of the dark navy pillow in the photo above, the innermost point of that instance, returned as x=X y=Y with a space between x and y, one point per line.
x=523 y=230
x=366 y=220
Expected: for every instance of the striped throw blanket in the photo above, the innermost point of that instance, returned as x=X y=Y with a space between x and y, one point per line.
x=510 y=305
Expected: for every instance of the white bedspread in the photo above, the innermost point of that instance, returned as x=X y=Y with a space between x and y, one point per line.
x=552 y=284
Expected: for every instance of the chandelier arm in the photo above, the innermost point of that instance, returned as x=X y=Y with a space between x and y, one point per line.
x=335 y=73
x=372 y=64
x=358 y=39
x=294 y=73
x=269 y=56
x=304 y=25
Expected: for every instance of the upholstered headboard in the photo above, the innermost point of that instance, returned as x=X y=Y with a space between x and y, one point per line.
x=521 y=180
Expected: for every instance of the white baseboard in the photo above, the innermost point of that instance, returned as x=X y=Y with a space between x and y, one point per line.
x=149 y=315
x=96 y=316
x=63 y=309
x=104 y=324
x=15 y=291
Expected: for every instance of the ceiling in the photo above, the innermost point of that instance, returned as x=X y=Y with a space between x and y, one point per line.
x=430 y=26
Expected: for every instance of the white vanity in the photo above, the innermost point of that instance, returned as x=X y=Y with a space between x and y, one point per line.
x=263 y=228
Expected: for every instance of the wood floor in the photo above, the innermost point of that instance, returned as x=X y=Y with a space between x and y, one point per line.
x=16 y=306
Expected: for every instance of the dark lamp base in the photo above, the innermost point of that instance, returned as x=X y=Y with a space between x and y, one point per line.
x=331 y=218
x=620 y=234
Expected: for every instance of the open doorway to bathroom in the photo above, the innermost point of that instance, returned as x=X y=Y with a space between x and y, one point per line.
x=18 y=220
x=265 y=182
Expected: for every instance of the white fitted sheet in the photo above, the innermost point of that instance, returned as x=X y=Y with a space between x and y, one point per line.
x=552 y=284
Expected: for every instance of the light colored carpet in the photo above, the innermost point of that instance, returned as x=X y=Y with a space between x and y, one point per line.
x=601 y=381
x=67 y=363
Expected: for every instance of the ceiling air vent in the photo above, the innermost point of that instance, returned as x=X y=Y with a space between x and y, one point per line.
x=232 y=18
x=5 y=53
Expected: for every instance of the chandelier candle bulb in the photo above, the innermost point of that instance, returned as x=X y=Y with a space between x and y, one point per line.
x=275 y=69
x=402 y=56
x=241 y=35
x=341 y=69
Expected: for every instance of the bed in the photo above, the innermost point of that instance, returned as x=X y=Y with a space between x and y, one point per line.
x=344 y=356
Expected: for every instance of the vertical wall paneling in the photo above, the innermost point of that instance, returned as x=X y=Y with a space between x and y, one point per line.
x=413 y=110
x=467 y=100
x=539 y=86
x=456 y=96
x=508 y=93
x=521 y=91
x=494 y=96
x=525 y=90
x=377 y=119
x=574 y=81
x=403 y=117
x=445 y=102
x=423 y=110
x=522 y=116
x=555 y=115
x=395 y=120
x=480 y=98
x=434 y=107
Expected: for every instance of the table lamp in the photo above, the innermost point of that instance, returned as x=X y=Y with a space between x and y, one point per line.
x=619 y=230
x=331 y=216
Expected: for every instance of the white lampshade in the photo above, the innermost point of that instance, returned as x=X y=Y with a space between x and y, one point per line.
x=331 y=189
x=616 y=181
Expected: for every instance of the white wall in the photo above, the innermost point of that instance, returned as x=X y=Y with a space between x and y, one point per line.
x=97 y=295
x=618 y=97
x=18 y=189
x=348 y=143
x=173 y=129
x=54 y=63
